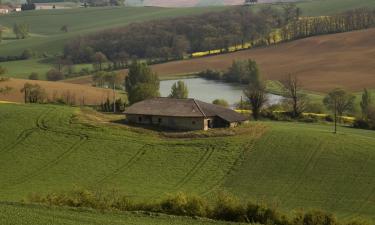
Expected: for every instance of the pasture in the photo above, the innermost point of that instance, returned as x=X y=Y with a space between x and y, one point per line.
x=48 y=148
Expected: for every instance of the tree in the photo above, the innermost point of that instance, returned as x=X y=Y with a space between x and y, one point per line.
x=141 y=83
x=1 y=34
x=34 y=76
x=257 y=97
x=179 y=90
x=292 y=92
x=221 y=102
x=113 y=80
x=339 y=101
x=54 y=75
x=64 y=28
x=21 y=30
x=365 y=104
x=33 y=93
x=99 y=58
x=244 y=72
x=27 y=54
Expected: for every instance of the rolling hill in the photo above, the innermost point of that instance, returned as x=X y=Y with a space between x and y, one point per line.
x=322 y=63
x=53 y=148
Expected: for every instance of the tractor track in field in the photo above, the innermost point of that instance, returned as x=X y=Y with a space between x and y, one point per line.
x=201 y=162
x=141 y=151
x=23 y=135
x=41 y=125
x=248 y=147
x=309 y=165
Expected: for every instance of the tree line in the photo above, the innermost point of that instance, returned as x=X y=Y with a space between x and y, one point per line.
x=170 y=39
x=173 y=38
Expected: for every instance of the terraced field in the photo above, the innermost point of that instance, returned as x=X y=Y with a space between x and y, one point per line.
x=48 y=148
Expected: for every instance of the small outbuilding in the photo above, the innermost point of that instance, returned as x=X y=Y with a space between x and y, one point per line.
x=182 y=114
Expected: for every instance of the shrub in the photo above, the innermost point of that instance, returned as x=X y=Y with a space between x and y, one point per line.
x=319 y=218
x=34 y=76
x=262 y=214
x=228 y=208
x=361 y=124
x=221 y=102
x=54 y=75
x=185 y=205
x=315 y=108
x=211 y=74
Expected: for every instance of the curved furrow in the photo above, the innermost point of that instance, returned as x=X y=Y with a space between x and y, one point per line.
x=248 y=147
x=205 y=157
x=127 y=165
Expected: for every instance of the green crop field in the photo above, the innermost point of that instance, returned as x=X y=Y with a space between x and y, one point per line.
x=47 y=148
x=11 y=214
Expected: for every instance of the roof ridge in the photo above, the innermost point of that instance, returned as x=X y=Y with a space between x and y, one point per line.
x=199 y=108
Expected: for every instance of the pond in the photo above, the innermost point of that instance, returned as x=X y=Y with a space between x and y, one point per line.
x=209 y=90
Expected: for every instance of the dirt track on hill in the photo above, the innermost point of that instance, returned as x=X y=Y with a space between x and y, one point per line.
x=321 y=63
x=81 y=94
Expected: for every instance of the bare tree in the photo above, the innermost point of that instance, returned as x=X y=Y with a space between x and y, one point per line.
x=257 y=97
x=294 y=96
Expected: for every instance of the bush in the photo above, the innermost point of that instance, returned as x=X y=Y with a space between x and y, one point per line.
x=211 y=74
x=34 y=76
x=185 y=205
x=228 y=208
x=308 y=119
x=315 y=108
x=55 y=75
x=220 y=102
x=262 y=214
x=27 y=54
x=319 y=218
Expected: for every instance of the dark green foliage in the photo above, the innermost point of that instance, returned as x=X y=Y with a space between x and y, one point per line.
x=172 y=39
x=21 y=30
x=27 y=54
x=179 y=90
x=244 y=72
x=211 y=74
x=365 y=104
x=55 y=75
x=34 y=76
x=226 y=207
x=141 y=83
x=221 y=102
x=108 y=105
x=185 y=205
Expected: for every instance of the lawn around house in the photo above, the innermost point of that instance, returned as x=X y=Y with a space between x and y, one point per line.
x=294 y=165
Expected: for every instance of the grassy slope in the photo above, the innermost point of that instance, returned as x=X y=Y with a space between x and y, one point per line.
x=11 y=214
x=297 y=165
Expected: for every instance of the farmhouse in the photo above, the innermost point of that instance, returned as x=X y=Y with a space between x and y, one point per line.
x=4 y=9
x=182 y=114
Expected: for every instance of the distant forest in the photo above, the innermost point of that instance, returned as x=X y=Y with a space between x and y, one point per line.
x=169 y=39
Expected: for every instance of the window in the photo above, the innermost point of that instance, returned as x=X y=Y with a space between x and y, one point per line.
x=139 y=119
x=193 y=122
x=160 y=120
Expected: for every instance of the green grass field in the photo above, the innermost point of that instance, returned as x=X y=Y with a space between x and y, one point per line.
x=18 y=214
x=48 y=148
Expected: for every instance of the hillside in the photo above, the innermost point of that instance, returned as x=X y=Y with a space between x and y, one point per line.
x=80 y=94
x=51 y=148
x=322 y=63
x=46 y=37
